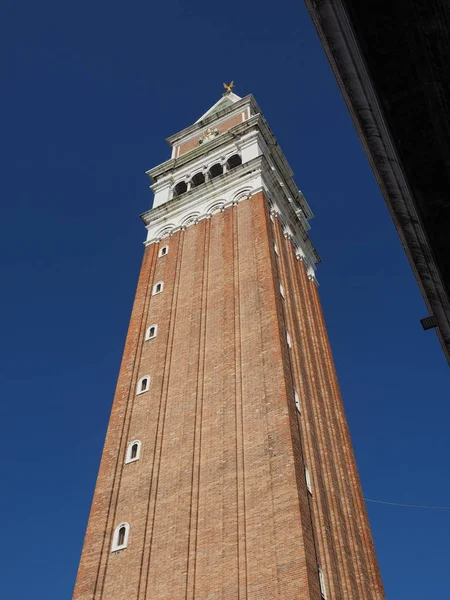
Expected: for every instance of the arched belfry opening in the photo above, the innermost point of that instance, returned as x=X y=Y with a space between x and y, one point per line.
x=215 y=171
x=234 y=161
x=179 y=189
x=198 y=179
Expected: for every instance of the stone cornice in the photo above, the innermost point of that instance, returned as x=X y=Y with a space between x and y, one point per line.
x=227 y=190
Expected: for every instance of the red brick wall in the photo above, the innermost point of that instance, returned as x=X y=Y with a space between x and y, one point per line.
x=217 y=502
x=342 y=532
x=221 y=127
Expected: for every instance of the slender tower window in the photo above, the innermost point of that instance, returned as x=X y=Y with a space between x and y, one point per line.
x=323 y=590
x=297 y=400
x=158 y=288
x=288 y=339
x=163 y=251
x=133 y=451
x=143 y=384
x=308 y=480
x=151 y=332
x=120 y=537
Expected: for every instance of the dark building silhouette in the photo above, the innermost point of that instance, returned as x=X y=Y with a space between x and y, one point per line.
x=391 y=61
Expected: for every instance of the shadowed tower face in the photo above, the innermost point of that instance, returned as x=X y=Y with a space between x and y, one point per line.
x=227 y=471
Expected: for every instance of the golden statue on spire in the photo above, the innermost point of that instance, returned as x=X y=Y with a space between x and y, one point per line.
x=228 y=87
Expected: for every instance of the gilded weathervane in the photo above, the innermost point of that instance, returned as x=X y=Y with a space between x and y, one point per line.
x=228 y=87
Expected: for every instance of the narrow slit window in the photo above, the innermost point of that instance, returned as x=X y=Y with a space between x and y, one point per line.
x=282 y=290
x=275 y=247
x=163 y=251
x=120 y=537
x=133 y=451
x=151 y=332
x=323 y=590
x=143 y=384
x=158 y=288
x=288 y=339
x=308 y=480
x=297 y=400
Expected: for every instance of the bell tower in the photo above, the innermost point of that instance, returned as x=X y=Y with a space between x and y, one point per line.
x=228 y=471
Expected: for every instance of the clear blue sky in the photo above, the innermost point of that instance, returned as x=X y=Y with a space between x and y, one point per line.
x=90 y=91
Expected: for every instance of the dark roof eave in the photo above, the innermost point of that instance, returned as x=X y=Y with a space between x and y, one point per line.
x=337 y=37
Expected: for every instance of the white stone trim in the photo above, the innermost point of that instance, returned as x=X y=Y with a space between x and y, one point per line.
x=202 y=159
x=128 y=457
x=164 y=232
x=297 y=401
x=139 y=389
x=191 y=219
x=206 y=201
x=237 y=134
x=282 y=291
x=232 y=187
x=215 y=208
x=115 y=541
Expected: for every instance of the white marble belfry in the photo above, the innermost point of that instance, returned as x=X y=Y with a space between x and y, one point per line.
x=260 y=166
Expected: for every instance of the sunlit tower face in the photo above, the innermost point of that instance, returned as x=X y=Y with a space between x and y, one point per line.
x=227 y=470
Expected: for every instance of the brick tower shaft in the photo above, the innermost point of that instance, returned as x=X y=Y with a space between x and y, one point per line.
x=227 y=471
